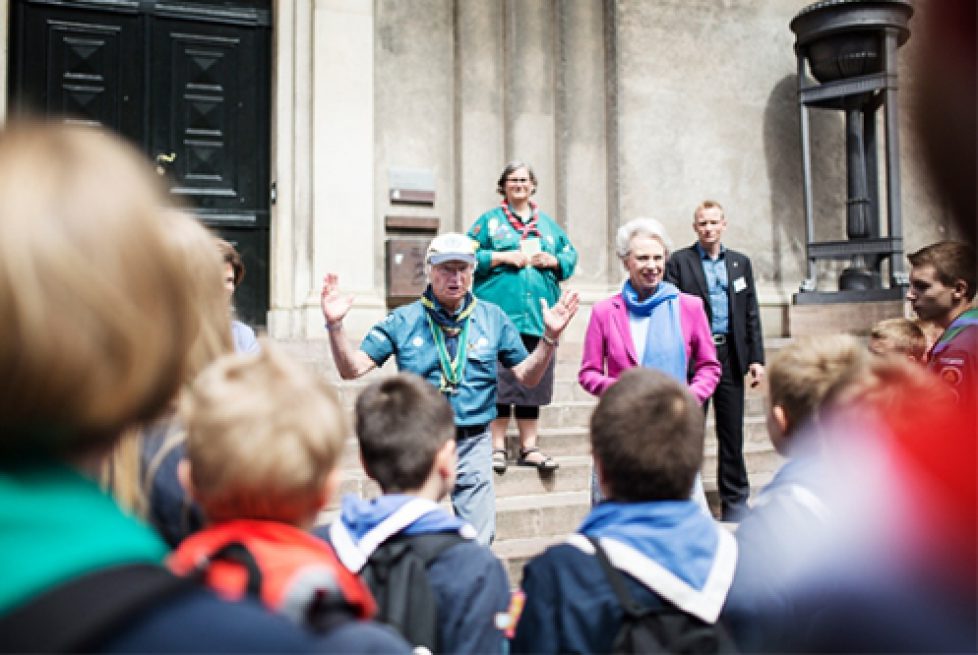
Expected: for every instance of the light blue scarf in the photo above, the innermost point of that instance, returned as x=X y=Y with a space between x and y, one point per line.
x=665 y=347
x=361 y=516
x=674 y=533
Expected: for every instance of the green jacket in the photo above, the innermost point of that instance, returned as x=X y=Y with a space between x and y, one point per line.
x=518 y=291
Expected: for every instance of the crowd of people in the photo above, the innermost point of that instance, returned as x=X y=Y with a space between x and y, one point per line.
x=162 y=471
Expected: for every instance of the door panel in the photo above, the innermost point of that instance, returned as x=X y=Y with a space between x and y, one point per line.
x=188 y=82
x=75 y=63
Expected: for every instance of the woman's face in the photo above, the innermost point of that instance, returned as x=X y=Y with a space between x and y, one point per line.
x=228 y=280
x=518 y=186
x=645 y=263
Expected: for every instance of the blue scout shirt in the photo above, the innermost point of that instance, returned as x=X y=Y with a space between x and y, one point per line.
x=715 y=271
x=492 y=336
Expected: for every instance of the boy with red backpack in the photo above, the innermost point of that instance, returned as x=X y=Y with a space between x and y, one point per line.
x=264 y=438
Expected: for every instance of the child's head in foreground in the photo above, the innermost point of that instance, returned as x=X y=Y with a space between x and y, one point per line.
x=802 y=376
x=406 y=430
x=898 y=336
x=264 y=437
x=647 y=438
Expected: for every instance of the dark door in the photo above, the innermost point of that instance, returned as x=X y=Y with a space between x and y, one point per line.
x=188 y=82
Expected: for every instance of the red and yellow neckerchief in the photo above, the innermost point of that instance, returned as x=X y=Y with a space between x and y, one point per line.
x=524 y=229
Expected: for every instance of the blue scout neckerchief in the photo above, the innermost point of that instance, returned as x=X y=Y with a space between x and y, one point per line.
x=670 y=546
x=364 y=525
x=450 y=334
x=665 y=347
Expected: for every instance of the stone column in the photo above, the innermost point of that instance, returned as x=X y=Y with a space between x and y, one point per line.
x=291 y=244
x=529 y=102
x=343 y=234
x=480 y=88
x=582 y=142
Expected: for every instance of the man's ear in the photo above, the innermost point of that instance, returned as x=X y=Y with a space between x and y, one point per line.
x=366 y=469
x=778 y=425
x=183 y=475
x=329 y=488
x=446 y=463
x=959 y=290
x=599 y=470
x=780 y=418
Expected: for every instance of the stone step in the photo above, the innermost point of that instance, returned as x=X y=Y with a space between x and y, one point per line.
x=522 y=517
x=574 y=442
x=515 y=553
x=574 y=475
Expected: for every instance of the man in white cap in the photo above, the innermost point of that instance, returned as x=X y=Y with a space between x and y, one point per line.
x=453 y=341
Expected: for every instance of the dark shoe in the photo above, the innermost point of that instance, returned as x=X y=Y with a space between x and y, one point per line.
x=499 y=460
x=546 y=464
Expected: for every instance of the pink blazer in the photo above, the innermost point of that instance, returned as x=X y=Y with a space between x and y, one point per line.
x=609 y=350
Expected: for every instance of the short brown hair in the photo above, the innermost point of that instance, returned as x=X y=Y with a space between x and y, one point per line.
x=263 y=435
x=803 y=374
x=508 y=169
x=708 y=204
x=96 y=322
x=902 y=335
x=231 y=256
x=647 y=433
x=952 y=261
x=401 y=423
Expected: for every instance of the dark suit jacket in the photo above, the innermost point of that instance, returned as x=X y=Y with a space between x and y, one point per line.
x=685 y=270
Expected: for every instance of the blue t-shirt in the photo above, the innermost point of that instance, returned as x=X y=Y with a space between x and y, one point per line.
x=492 y=337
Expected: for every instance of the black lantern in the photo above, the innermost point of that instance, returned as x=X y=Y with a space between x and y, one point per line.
x=849 y=48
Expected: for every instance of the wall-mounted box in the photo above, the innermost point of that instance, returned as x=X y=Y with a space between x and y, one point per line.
x=407 y=241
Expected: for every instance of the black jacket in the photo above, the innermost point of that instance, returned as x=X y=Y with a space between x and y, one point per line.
x=685 y=270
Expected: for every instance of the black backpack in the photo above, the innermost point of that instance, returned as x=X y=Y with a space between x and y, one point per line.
x=397 y=574
x=79 y=615
x=662 y=629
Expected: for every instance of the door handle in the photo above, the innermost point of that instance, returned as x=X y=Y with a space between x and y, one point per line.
x=163 y=160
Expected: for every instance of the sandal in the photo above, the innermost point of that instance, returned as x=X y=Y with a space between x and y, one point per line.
x=499 y=460
x=547 y=464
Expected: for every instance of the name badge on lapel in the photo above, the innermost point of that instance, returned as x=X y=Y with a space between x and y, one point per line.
x=739 y=285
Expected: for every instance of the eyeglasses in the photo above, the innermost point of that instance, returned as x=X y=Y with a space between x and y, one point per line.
x=517 y=180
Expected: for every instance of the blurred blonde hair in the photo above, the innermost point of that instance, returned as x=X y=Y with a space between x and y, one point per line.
x=804 y=373
x=898 y=336
x=263 y=436
x=204 y=261
x=93 y=295
x=208 y=302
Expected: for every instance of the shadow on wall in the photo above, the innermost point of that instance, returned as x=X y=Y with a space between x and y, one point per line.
x=782 y=152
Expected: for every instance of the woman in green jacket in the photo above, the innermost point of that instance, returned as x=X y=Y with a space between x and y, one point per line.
x=522 y=258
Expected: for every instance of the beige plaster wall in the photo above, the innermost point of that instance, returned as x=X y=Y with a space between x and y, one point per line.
x=624 y=108
x=708 y=109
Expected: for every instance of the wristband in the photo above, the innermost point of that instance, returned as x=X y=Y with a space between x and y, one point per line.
x=331 y=327
x=552 y=342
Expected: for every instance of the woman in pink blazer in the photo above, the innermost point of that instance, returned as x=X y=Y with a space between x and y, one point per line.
x=650 y=323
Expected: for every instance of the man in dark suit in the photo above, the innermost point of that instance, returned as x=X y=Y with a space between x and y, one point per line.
x=724 y=279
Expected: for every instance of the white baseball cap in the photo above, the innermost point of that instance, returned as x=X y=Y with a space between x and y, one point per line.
x=451 y=247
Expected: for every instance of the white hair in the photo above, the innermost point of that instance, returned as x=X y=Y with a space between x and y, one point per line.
x=646 y=227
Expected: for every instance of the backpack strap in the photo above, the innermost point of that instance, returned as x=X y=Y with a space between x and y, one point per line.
x=397 y=574
x=628 y=603
x=238 y=553
x=77 y=616
x=429 y=546
x=324 y=611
